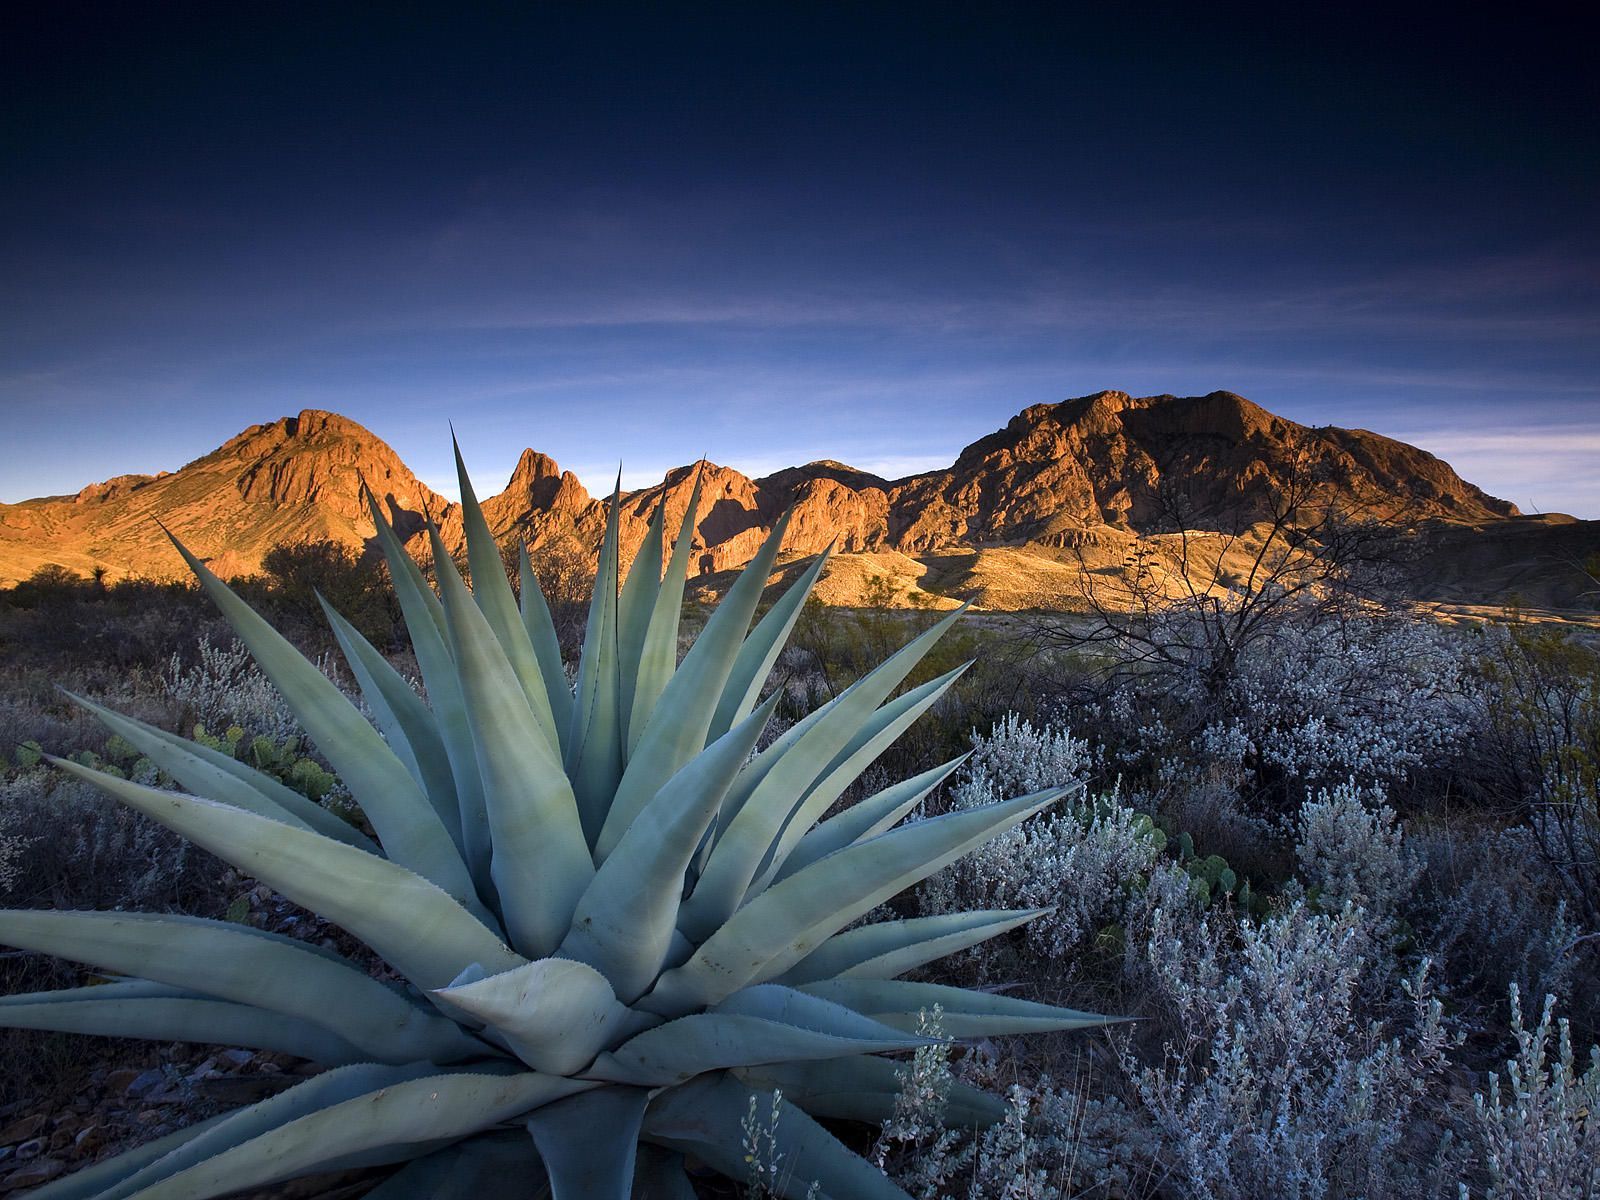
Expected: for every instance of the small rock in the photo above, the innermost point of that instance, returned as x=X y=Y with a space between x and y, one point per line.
x=60 y=1140
x=30 y=1149
x=118 y=1082
x=5 y=1153
x=144 y=1083
x=22 y=1130
x=149 y=1116
x=41 y=1170
x=237 y=1057
x=89 y=1139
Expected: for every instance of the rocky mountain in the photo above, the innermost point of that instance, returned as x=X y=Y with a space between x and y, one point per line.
x=1100 y=471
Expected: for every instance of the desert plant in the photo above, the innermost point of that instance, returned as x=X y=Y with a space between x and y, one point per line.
x=611 y=924
x=1538 y=1133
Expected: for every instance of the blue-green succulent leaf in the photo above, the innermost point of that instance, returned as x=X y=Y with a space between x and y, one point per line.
x=491 y=1166
x=866 y=819
x=786 y=922
x=211 y=773
x=625 y=922
x=427 y=935
x=540 y=861
x=864 y=1088
x=891 y=948
x=424 y=617
x=174 y=1015
x=91 y=1182
x=588 y=1142
x=404 y=719
x=761 y=649
x=541 y=627
x=762 y=1024
x=658 y=656
x=555 y=1014
x=492 y=591
x=967 y=1014
x=681 y=718
x=594 y=753
x=407 y=826
x=234 y=962
x=634 y=609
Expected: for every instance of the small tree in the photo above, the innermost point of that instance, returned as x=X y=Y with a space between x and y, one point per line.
x=1193 y=601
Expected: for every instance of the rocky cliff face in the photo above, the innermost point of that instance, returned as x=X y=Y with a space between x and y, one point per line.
x=1057 y=475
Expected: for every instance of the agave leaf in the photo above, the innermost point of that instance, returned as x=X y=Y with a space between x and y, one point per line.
x=382 y=1123
x=594 y=754
x=588 y=1142
x=424 y=616
x=404 y=719
x=891 y=948
x=758 y=1025
x=555 y=1014
x=492 y=1166
x=425 y=933
x=541 y=862
x=682 y=717
x=233 y=1129
x=90 y=1182
x=409 y=584
x=887 y=724
x=115 y=1010
x=247 y=966
x=625 y=921
x=658 y=655
x=212 y=773
x=541 y=627
x=865 y=819
x=746 y=840
x=761 y=649
x=702 y=1119
x=864 y=1088
x=783 y=924
x=967 y=1014
x=492 y=591
x=660 y=1174
x=406 y=824
x=635 y=606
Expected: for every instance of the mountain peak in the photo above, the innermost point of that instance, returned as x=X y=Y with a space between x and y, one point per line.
x=1092 y=466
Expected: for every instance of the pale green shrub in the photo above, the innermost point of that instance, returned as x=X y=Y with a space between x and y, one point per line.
x=1538 y=1132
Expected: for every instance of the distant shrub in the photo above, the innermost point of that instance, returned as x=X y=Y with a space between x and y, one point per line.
x=224 y=688
x=293 y=574
x=1351 y=851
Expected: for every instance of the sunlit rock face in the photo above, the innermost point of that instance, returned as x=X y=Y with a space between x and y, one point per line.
x=1087 y=472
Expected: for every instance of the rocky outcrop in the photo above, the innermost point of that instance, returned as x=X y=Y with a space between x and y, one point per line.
x=1058 y=476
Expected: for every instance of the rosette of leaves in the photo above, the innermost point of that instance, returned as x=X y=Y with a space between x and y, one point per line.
x=612 y=920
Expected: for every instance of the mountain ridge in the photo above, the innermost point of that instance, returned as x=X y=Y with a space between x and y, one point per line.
x=1087 y=470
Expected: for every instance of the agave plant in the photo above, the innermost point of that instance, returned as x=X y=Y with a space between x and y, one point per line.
x=612 y=920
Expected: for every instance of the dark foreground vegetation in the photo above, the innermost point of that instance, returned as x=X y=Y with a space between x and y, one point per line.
x=1347 y=874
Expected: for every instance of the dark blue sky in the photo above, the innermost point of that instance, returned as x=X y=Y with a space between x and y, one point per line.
x=774 y=232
